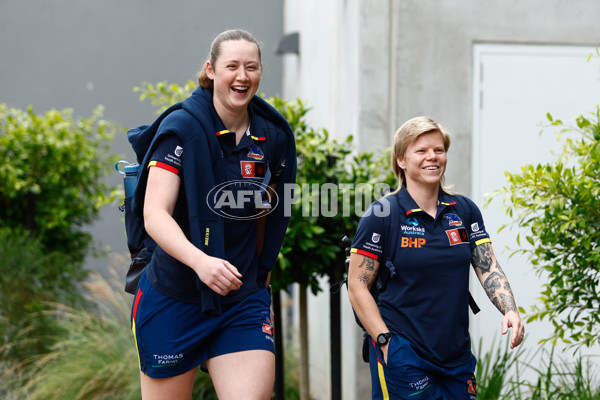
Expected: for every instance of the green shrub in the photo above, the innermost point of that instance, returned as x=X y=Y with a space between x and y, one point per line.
x=51 y=175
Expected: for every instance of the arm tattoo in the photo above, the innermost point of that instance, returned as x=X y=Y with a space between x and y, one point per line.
x=504 y=302
x=508 y=303
x=496 y=285
x=492 y=283
x=482 y=258
x=366 y=275
x=508 y=289
x=368 y=263
x=364 y=278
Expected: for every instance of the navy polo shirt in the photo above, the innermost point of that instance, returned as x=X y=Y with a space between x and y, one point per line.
x=246 y=166
x=426 y=300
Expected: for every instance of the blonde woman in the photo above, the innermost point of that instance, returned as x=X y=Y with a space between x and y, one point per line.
x=419 y=340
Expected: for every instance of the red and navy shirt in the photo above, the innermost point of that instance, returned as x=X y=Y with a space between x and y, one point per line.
x=426 y=300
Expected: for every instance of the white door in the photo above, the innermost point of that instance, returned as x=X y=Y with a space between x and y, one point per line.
x=515 y=86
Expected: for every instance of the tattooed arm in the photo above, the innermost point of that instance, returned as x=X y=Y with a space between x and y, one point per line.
x=361 y=276
x=497 y=288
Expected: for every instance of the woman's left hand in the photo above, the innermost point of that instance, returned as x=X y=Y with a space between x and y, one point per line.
x=513 y=320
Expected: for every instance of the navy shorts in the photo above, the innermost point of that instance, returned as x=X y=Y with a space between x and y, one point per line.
x=408 y=376
x=173 y=337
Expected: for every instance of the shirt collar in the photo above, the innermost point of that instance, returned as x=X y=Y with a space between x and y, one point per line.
x=444 y=200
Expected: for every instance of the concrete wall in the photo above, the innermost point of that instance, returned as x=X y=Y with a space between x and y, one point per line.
x=366 y=66
x=434 y=55
x=81 y=53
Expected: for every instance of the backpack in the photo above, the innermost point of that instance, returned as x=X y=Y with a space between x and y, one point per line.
x=391 y=226
x=140 y=245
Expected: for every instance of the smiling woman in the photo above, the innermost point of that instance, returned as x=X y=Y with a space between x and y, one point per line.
x=418 y=327
x=203 y=298
x=236 y=75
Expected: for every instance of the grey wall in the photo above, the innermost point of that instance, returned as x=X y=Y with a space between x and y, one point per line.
x=434 y=56
x=81 y=53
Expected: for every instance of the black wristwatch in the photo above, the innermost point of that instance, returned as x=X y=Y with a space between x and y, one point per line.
x=383 y=339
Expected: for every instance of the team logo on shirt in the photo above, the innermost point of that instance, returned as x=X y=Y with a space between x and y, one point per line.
x=457 y=236
x=255 y=153
x=252 y=169
x=178 y=151
x=475 y=227
x=453 y=219
x=375 y=238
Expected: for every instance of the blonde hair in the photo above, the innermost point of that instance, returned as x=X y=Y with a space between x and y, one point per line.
x=407 y=134
x=215 y=52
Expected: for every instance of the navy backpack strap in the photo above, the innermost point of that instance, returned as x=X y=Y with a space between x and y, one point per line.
x=465 y=211
x=391 y=225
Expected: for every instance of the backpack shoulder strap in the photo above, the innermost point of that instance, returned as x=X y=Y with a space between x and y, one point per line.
x=391 y=225
x=464 y=211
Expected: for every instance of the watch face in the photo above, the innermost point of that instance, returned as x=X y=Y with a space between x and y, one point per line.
x=383 y=338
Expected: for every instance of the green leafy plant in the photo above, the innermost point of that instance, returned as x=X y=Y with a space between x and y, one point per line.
x=164 y=94
x=559 y=204
x=51 y=170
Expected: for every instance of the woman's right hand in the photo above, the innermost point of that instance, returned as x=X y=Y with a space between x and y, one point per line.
x=384 y=351
x=218 y=274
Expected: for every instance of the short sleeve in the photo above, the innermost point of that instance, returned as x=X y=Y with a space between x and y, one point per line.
x=168 y=154
x=369 y=238
x=477 y=232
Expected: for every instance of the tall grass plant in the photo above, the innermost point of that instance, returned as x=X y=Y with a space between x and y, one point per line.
x=501 y=374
